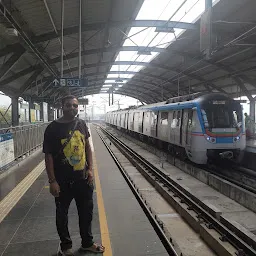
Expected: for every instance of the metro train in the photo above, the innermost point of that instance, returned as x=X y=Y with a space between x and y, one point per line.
x=201 y=127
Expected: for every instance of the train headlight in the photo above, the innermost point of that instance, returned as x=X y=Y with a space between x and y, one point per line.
x=236 y=138
x=211 y=139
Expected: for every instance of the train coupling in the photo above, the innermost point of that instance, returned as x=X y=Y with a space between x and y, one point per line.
x=227 y=155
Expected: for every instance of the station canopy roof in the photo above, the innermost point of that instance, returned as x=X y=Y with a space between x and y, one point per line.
x=149 y=50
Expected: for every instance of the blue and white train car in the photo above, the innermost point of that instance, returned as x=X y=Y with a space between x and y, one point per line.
x=207 y=127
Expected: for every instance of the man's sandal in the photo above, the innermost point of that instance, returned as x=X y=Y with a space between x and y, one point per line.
x=96 y=248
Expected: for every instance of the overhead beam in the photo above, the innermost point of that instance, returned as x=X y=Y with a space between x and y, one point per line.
x=116 y=24
x=220 y=66
x=171 y=80
x=32 y=78
x=130 y=93
x=140 y=94
x=140 y=74
x=70 y=56
x=10 y=49
x=7 y=66
x=96 y=90
x=8 y=16
x=108 y=49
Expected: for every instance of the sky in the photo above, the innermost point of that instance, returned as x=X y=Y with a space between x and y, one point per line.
x=5 y=100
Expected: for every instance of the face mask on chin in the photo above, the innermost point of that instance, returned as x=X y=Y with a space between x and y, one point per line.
x=70 y=113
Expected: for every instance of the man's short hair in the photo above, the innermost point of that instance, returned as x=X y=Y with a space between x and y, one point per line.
x=68 y=97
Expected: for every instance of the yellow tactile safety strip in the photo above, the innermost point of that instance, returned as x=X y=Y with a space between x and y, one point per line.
x=15 y=195
x=102 y=214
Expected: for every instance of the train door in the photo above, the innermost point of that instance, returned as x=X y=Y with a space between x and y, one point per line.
x=133 y=120
x=126 y=120
x=181 y=126
x=184 y=127
x=142 y=121
x=189 y=127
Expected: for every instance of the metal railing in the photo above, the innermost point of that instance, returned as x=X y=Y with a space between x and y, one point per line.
x=26 y=138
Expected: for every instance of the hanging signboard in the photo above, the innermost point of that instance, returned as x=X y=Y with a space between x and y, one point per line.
x=83 y=101
x=70 y=82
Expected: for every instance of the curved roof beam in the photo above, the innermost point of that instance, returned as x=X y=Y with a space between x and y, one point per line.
x=145 y=64
x=128 y=93
x=110 y=49
x=74 y=55
x=116 y=24
x=100 y=26
x=136 y=96
x=133 y=80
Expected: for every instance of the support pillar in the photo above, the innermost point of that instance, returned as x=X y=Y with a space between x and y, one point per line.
x=15 y=111
x=31 y=107
x=112 y=97
x=58 y=113
x=109 y=98
x=50 y=112
x=42 y=112
x=252 y=110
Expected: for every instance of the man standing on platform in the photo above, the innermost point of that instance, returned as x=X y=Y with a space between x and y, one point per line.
x=68 y=159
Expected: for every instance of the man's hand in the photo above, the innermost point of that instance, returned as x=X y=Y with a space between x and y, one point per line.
x=55 y=189
x=90 y=177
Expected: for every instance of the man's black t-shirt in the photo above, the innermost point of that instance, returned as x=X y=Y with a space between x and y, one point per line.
x=70 y=163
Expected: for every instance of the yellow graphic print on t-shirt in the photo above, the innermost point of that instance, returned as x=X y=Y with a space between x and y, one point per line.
x=75 y=151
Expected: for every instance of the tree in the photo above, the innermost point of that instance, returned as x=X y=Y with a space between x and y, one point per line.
x=7 y=117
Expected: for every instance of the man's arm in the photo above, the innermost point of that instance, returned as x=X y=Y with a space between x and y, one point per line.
x=88 y=154
x=54 y=186
x=88 y=151
x=47 y=149
x=49 y=167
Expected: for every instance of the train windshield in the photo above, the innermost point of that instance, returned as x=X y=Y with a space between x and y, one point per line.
x=222 y=114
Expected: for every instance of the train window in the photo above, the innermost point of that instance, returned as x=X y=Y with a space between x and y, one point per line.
x=153 y=118
x=227 y=116
x=190 y=117
x=205 y=119
x=178 y=118
x=174 y=115
x=164 y=118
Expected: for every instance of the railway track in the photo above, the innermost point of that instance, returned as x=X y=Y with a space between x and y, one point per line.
x=238 y=176
x=188 y=206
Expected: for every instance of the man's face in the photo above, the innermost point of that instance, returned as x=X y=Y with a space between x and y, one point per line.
x=70 y=108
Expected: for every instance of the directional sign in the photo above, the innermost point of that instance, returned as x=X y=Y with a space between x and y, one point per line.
x=55 y=82
x=70 y=82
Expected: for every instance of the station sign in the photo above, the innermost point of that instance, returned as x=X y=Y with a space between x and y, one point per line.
x=70 y=82
x=82 y=101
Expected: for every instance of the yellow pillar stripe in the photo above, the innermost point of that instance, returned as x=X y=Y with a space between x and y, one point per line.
x=102 y=214
x=16 y=194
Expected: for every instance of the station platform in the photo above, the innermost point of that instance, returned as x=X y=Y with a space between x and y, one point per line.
x=27 y=212
x=249 y=156
x=251 y=146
